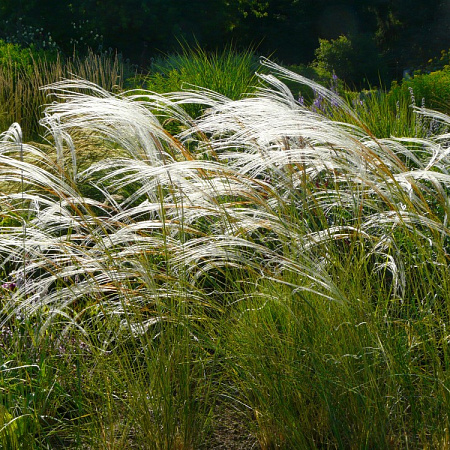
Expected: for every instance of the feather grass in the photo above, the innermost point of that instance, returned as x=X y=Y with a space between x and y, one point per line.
x=292 y=223
x=234 y=209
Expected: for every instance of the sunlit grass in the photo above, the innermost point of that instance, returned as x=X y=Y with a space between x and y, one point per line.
x=21 y=98
x=267 y=260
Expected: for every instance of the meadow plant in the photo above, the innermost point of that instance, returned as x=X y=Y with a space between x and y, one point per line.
x=290 y=263
x=28 y=36
x=433 y=87
x=229 y=72
x=24 y=71
x=82 y=36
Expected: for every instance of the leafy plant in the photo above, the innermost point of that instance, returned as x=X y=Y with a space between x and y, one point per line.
x=430 y=88
x=354 y=59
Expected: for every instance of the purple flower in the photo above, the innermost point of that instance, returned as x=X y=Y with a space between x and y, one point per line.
x=318 y=104
x=9 y=286
x=334 y=83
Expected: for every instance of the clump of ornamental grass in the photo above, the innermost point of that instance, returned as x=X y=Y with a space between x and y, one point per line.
x=259 y=200
x=20 y=82
x=229 y=72
x=269 y=188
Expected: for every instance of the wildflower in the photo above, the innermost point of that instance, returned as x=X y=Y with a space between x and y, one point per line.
x=411 y=93
x=318 y=104
x=9 y=286
x=334 y=83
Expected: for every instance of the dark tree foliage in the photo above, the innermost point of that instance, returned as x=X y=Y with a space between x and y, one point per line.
x=404 y=33
x=411 y=31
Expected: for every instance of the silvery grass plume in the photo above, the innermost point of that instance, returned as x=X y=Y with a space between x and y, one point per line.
x=257 y=191
x=356 y=185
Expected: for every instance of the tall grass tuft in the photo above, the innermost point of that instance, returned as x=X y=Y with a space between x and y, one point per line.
x=290 y=267
x=229 y=72
x=21 y=98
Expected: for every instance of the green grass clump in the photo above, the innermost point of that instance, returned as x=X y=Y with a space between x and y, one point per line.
x=395 y=112
x=228 y=72
x=24 y=71
x=391 y=113
x=39 y=402
x=382 y=112
x=371 y=373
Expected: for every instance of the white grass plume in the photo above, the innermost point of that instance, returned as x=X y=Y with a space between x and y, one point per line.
x=284 y=195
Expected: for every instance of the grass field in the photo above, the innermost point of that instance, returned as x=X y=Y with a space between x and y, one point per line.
x=262 y=274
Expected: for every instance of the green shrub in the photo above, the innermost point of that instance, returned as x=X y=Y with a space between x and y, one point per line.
x=438 y=62
x=354 y=59
x=335 y=54
x=20 y=59
x=433 y=88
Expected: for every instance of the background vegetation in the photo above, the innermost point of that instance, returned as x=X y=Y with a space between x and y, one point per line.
x=384 y=37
